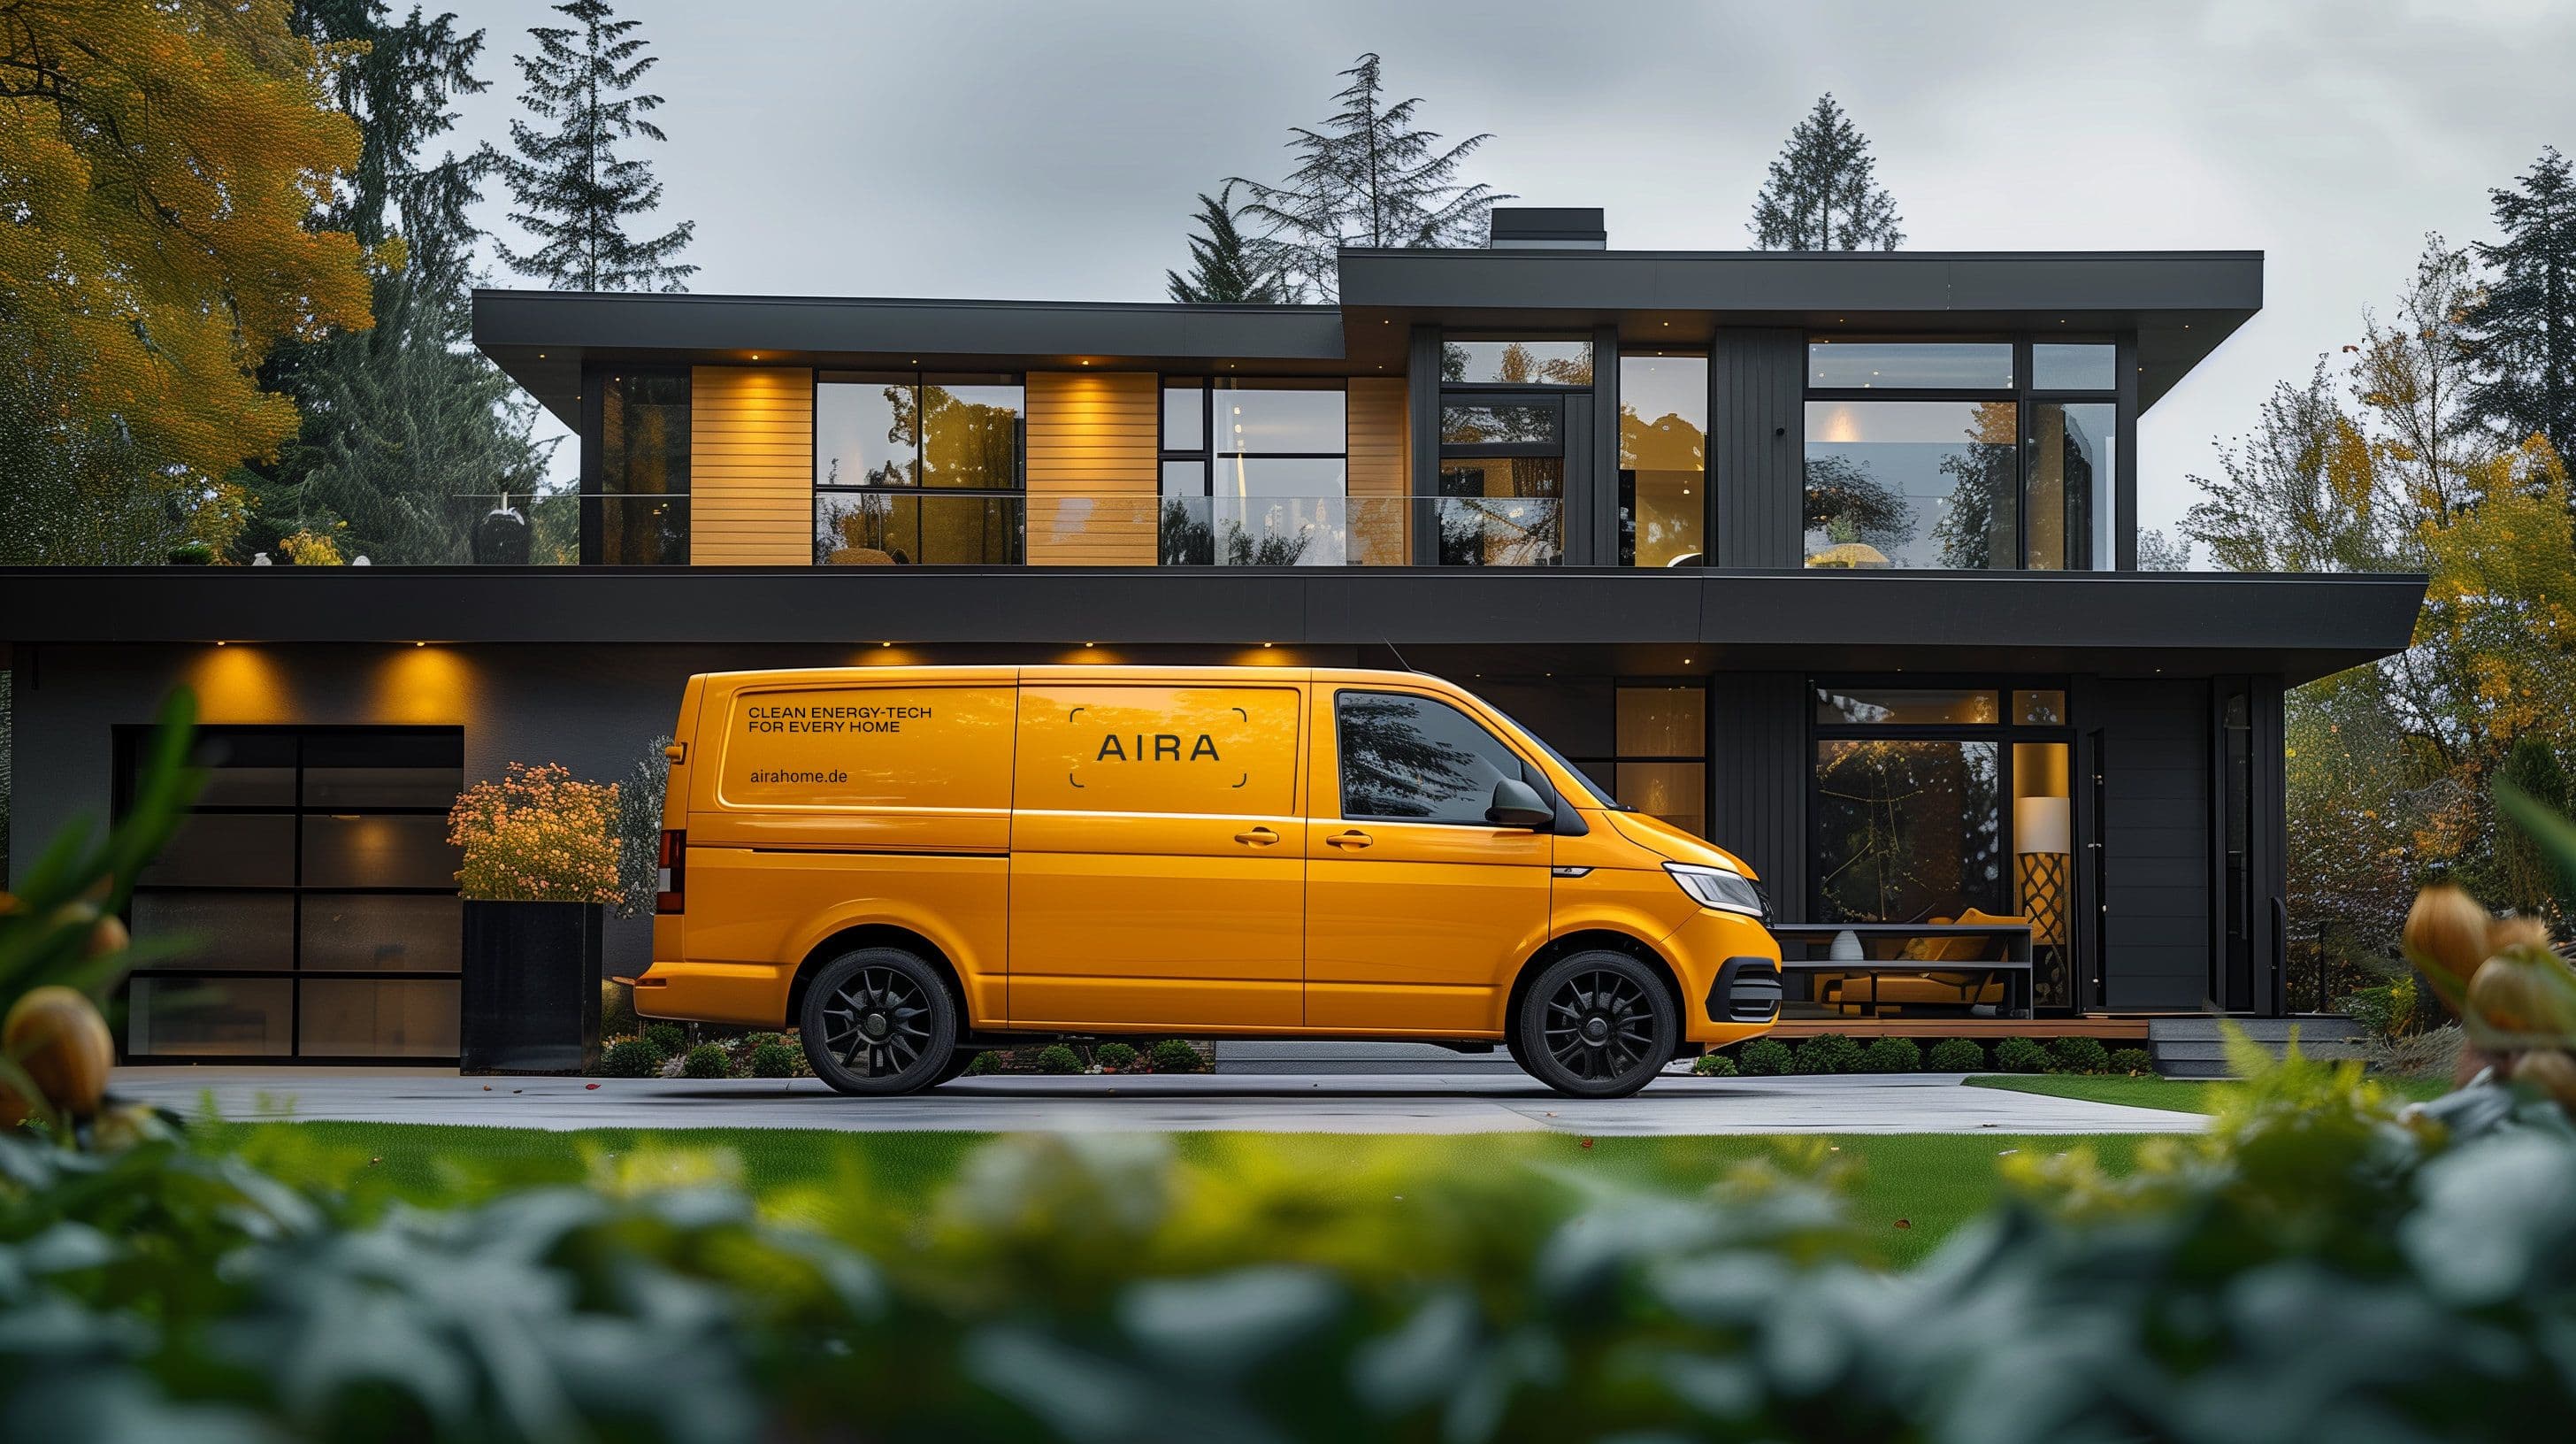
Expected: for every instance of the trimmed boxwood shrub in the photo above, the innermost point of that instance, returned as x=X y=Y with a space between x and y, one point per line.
x=1057 y=1058
x=1765 y=1057
x=773 y=1059
x=1956 y=1055
x=1115 y=1055
x=1826 y=1053
x=2132 y=1060
x=667 y=1039
x=2021 y=1055
x=1891 y=1055
x=1174 y=1056
x=630 y=1058
x=706 y=1061
x=1713 y=1065
x=2080 y=1055
x=984 y=1062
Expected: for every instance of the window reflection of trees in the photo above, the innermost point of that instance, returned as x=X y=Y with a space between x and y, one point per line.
x=1193 y=537
x=1397 y=762
x=1846 y=504
x=1908 y=830
x=1978 y=528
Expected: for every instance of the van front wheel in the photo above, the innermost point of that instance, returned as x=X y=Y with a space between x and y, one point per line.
x=1596 y=1025
x=878 y=1021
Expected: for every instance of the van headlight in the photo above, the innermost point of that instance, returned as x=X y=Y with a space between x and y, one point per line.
x=1715 y=887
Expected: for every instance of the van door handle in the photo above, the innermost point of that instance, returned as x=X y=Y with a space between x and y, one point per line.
x=1257 y=837
x=1348 y=839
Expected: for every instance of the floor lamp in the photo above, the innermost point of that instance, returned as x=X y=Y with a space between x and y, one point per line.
x=2043 y=834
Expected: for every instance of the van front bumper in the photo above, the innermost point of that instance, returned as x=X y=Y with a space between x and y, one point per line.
x=1730 y=976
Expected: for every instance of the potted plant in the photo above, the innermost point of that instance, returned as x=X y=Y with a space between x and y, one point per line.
x=540 y=862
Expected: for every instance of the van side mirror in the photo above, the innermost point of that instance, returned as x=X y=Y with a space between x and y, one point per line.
x=1517 y=804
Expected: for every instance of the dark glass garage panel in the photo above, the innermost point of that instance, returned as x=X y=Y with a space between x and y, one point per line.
x=1910 y=365
x=213 y=1017
x=1908 y=830
x=215 y=849
x=1931 y=484
x=221 y=929
x=329 y=927
x=362 y=932
x=371 y=1018
x=1411 y=759
x=252 y=771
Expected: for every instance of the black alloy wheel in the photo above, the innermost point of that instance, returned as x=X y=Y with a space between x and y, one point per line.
x=878 y=1021
x=1596 y=1025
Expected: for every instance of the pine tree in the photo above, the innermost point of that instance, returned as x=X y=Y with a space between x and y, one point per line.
x=574 y=192
x=408 y=433
x=1368 y=177
x=1823 y=193
x=1222 y=265
x=2522 y=333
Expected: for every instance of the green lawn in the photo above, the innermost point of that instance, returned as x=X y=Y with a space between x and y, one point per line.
x=1905 y=1190
x=2179 y=1095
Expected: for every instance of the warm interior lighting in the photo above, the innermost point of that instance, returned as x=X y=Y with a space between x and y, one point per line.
x=420 y=644
x=223 y=644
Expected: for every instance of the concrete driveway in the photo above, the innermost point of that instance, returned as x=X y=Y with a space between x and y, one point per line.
x=1467 y=1102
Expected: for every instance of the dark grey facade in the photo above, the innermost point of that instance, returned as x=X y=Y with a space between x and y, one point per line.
x=1742 y=678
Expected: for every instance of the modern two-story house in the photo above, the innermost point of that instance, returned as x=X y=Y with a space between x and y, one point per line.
x=1828 y=557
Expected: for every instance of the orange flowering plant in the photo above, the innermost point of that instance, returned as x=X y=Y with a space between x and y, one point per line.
x=537 y=835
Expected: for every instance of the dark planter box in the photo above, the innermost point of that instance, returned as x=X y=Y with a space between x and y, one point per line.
x=531 y=987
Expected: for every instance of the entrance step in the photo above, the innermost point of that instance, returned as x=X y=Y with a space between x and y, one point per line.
x=2197 y=1047
x=1270 y=1057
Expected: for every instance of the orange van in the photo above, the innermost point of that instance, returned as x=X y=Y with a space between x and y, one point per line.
x=911 y=865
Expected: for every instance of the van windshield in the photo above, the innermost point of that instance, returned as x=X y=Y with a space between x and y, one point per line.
x=1600 y=795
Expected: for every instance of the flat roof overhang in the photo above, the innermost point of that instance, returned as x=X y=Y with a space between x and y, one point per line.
x=1632 y=623
x=2181 y=304
x=541 y=338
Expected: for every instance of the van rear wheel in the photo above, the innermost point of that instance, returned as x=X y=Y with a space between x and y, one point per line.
x=878 y=1022
x=1596 y=1025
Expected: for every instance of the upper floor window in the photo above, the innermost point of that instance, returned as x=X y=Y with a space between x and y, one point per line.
x=635 y=503
x=1255 y=473
x=1663 y=458
x=1476 y=361
x=912 y=468
x=1989 y=454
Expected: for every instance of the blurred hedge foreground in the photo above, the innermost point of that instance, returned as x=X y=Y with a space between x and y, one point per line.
x=2322 y=1265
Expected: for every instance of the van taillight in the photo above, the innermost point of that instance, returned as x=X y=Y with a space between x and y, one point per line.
x=675 y=873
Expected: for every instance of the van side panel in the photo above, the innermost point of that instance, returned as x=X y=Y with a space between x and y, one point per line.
x=1157 y=857
x=825 y=802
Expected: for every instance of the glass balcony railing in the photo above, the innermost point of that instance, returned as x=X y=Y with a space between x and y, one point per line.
x=1044 y=528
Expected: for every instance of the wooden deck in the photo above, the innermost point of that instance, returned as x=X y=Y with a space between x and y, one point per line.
x=2129 y=1028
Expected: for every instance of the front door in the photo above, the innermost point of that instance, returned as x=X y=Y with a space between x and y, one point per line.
x=1157 y=857
x=1418 y=910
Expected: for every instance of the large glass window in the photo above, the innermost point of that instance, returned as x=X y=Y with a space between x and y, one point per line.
x=1413 y=759
x=2003 y=455
x=1663 y=459
x=1910 y=365
x=1933 y=800
x=1255 y=473
x=636 y=507
x=2068 y=496
x=1662 y=769
x=917 y=469
x=1515 y=362
x=1912 y=484
x=313 y=884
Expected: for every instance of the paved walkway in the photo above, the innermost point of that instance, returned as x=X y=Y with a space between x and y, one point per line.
x=1340 y=1103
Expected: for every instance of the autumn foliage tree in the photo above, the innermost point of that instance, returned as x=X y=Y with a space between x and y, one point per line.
x=159 y=163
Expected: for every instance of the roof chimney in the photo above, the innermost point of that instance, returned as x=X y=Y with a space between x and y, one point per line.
x=1548 y=228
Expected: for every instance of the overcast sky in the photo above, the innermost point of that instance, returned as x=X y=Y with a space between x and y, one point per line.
x=1051 y=151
